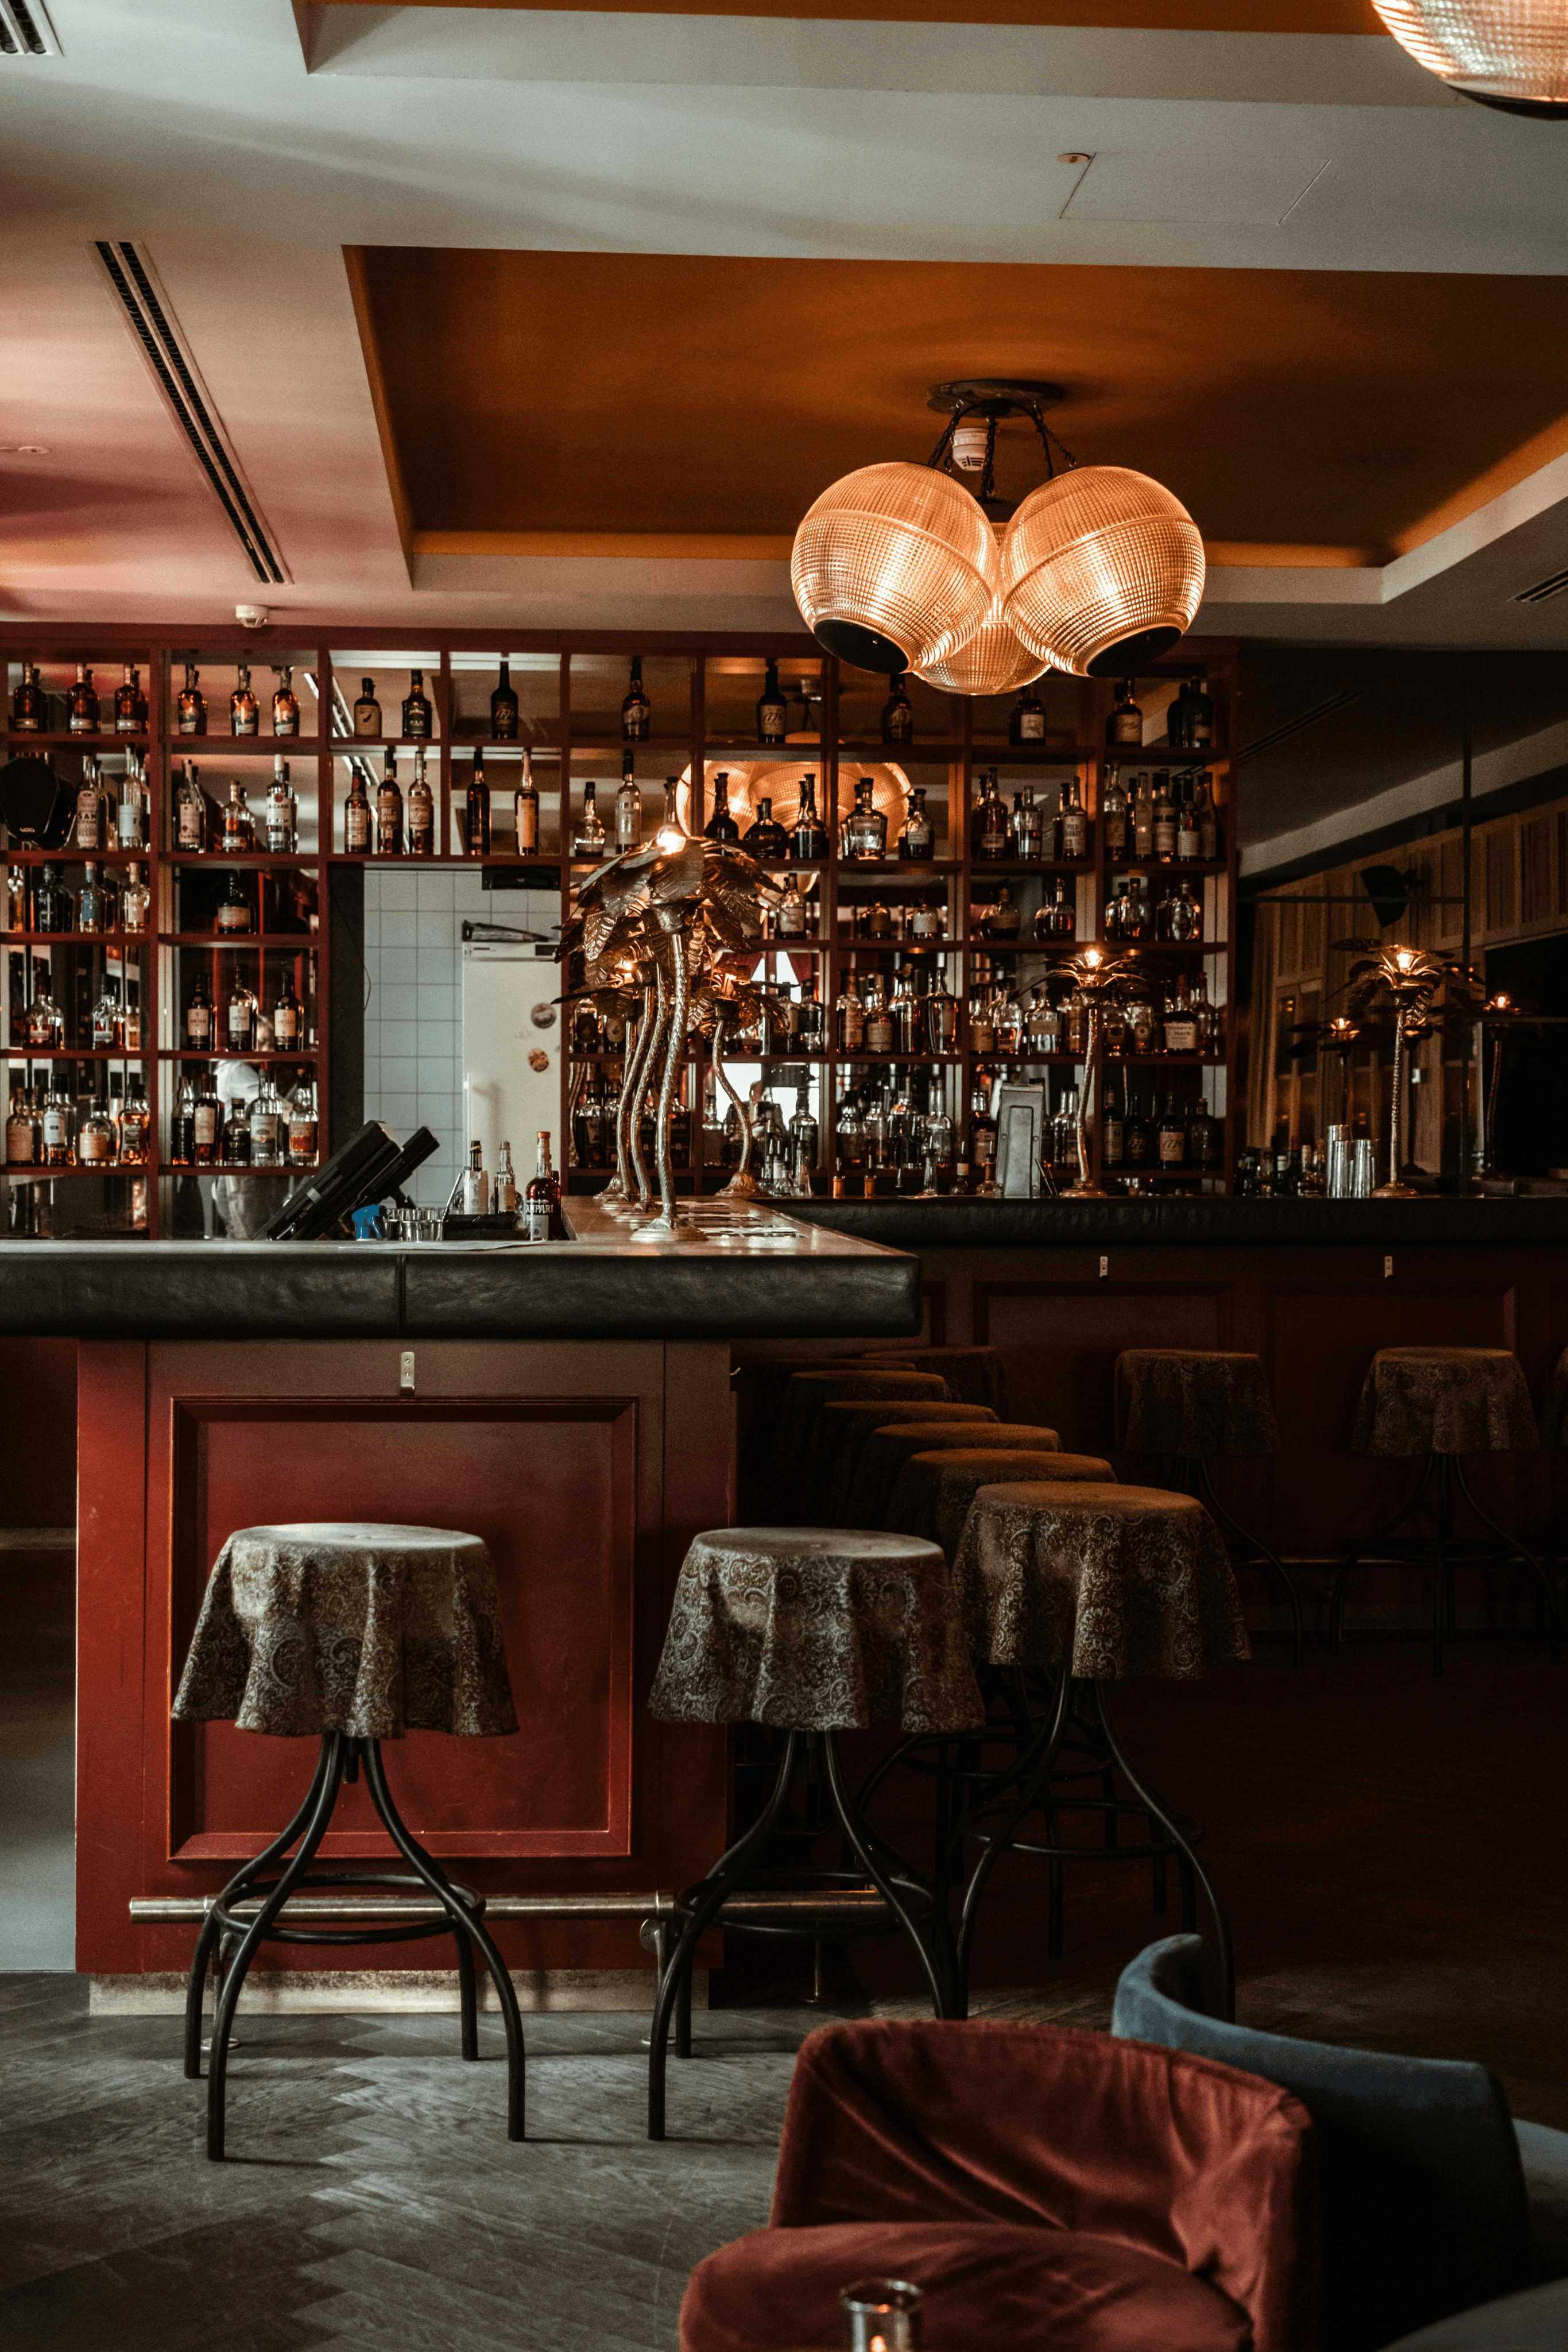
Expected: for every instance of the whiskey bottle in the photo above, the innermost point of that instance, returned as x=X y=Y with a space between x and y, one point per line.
x=993 y=828
x=198 y=1018
x=29 y=706
x=505 y=1197
x=587 y=842
x=1059 y=919
x=182 y=1127
x=504 y=708
x=21 y=1130
x=1136 y=1140
x=368 y=713
x=287 y=1018
x=1164 y=819
x=95 y=906
x=1180 y=1021
x=58 y=1123
x=128 y=1034
x=234 y=1149
x=358 y=820
x=1114 y=818
x=790 y=915
x=189 y=810
x=105 y=1020
x=131 y=830
x=849 y=1019
x=1026 y=720
x=239 y=830
x=54 y=908
x=476 y=1184
x=1074 y=821
x=418 y=720
x=303 y=1125
x=1187 y=822
x=917 y=836
x=476 y=810
x=245 y=713
x=898 y=714
x=878 y=1023
x=628 y=807
x=810 y=1029
x=765 y=838
x=133 y=1126
x=16 y=900
x=1207 y=820
x=865 y=827
x=1171 y=1140
x=636 y=710
x=421 y=810
x=541 y=1202
x=721 y=826
x=191 y=709
x=82 y=707
x=234 y=910
x=88 y=829
x=1189 y=723
x=772 y=712
x=1142 y=822
x=46 y=1024
x=285 y=704
x=1111 y=1133
x=130 y=702
x=1183 y=918
x=1029 y=825
x=241 y=1024
x=1203 y=1136
x=135 y=901
x=1125 y=724
x=389 y=812
x=265 y=1127
x=282 y=811
x=526 y=809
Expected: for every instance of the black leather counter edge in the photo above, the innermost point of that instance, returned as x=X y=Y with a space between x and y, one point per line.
x=305 y=1290
x=1156 y=1224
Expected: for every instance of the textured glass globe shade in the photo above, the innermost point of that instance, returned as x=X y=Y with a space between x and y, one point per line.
x=894 y=567
x=1102 y=571
x=994 y=660
x=1511 y=54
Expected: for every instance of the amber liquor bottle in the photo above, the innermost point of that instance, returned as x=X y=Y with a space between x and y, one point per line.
x=82 y=709
x=389 y=813
x=421 y=810
x=636 y=710
x=898 y=714
x=476 y=831
x=721 y=826
x=504 y=708
x=541 y=1202
x=285 y=705
x=191 y=708
x=418 y=720
x=772 y=712
x=29 y=705
x=359 y=822
x=526 y=809
x=130 y=703
x=245 y=712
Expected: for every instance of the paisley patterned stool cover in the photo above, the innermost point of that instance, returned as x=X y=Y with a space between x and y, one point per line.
x=883 y=1453
x=1445 y=1400
x=370 y=1630
x=974 y=1375
x=1193 y=1401
x=808 y=1392
x=841 y=1430
x=935 y=1487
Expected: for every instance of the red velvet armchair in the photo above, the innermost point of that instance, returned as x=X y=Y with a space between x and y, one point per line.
x=1042 y=2185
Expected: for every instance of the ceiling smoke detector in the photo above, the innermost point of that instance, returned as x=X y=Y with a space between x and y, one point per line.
x=252 y=616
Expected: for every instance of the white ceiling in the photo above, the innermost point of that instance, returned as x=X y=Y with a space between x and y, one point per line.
x=198 y=129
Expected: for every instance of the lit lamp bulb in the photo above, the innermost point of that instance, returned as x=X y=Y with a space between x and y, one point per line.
x=1093 y=957
x=1404 y=958
x=1499 y=1003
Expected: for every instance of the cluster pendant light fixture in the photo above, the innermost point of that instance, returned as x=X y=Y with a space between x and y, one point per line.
x=901 y=567
x=1511 y=54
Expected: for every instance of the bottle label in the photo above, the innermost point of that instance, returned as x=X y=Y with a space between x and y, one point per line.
x=1181 y=1035
x=262 y=1133
x=284 y=1025
x=128 y=831
x=1173 y=1148
x=205 y=1124
x=367 y=720
x=357 y=825
x=1031 y=727
x=302 y=1139
x=19 y=1143
x=132 y=1030
x=879 y=1034
x=94 y=1146
x=245 y=722
x=1112 y=1142
x=1074 y=834
x=86 y=820
x=1165 y=838
x=198 y=1025
x=57 y=1129
x=527 y=826
x=190 y=825
x=239 y=1024
x=1127 y=726
x=234 y=918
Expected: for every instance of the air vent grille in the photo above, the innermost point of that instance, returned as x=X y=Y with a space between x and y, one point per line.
x=161 y=343
x=1543 y=589
x=25 y=30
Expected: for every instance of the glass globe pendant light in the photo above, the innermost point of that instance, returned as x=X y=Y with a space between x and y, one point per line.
x=1102 y=571
x=1511 y=54
x=995 y=660
x=894 y=567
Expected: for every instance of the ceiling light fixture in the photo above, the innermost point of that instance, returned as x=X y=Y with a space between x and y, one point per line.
x=1511 y=54
x=901 y=567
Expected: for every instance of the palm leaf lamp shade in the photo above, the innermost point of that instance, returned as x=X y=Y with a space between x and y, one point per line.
x=1511 y=54
x=1102 y=571
x=995 y=660
x=894 y=567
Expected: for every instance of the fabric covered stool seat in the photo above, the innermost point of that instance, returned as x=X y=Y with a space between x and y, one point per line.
x=354 y=1634
x=935 y=1487
x=842 y=1429
x=884 y=1451
x=1042 y=2185
x=1443 y=1403
x=806 y=1393
x=974 y=1375
x=1090 y=1585
x=1196 y=1405
x=813 y=1630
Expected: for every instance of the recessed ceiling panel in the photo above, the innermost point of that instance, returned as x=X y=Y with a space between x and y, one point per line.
x=1136 y=16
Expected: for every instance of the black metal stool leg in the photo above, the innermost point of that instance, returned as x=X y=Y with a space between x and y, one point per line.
x=934 y=1966
x=328 y=1782
x=1547 y=1589
x=1367 y=1550
x=1256 y=1549
x=1029 y=1774
x=468 y=1993
x=1168 y=1822
x=436 y=1878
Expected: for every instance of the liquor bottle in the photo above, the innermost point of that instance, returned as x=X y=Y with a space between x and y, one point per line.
x=130 y=702
x=58 y=1140
x=809 y=840
x=29 y=705
x=526 y=809
x=587 y=842
x=46 y=1024
x=234 y=910
x=810 y=1029
x=765 y=838
x=104 y=1021
x=358 y=819
x=282 y=811
x=240 y=1028
x=1026 y=720
x=1186 y=843
x=81 y=706
x=21 y=1130
x=1029 y=824
x=879 y=1023
x=133 y=1124
x=543 y=1199
x=303 y=1125
x=234 y=1143
x=135 y=901
x=130 y=809
x=1203 y=1148
x=287 y=1018
x=1114 y=817
x=237 y=833
x=191 y=709
x=54 y=908
x=1208 y=819
x=1180 y=1021
x=1183 y=920
x=476 y=1197
x=504 y=708
x=420 y=809
x=95 y=906
x=1164 y=819
x=389 y=812
x=628 y=807
x=182 y=1127
x=849 y=1019
x=1061 y=917
x=1074 y=821
x=88 y=830
x=1111 y=1133
x=16 y=900
x=128 y=1037
x=199 y=1017
x=1190 y=719
x=266 y=1125
x=190 y=810
x=772 y=712
x=917 y=836
x=245 y=714
x=898 y=714
x=1136 y=1139
x=285 y=703
x=368 y=713
x=636 y=710
x=418 y=720
x=993 y=826
x=1171 y=1140
x=865 y=827
x=1125 y=724
x=721 y=826
x=1142 y=822
x=504 y=1199
x=790 y=915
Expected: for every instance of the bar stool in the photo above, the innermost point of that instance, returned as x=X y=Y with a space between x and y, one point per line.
x=884 y=1451
x=842 y=1430
x=1090 y=1585
x=814 y=1632
x=808 y=1392
x=1195 y=1404
x=352 y=1633
x=974 y=1375
x=1443 y=1403
x=936 y=1488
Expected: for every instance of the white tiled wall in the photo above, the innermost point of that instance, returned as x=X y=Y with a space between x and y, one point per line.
x=414 y=1014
